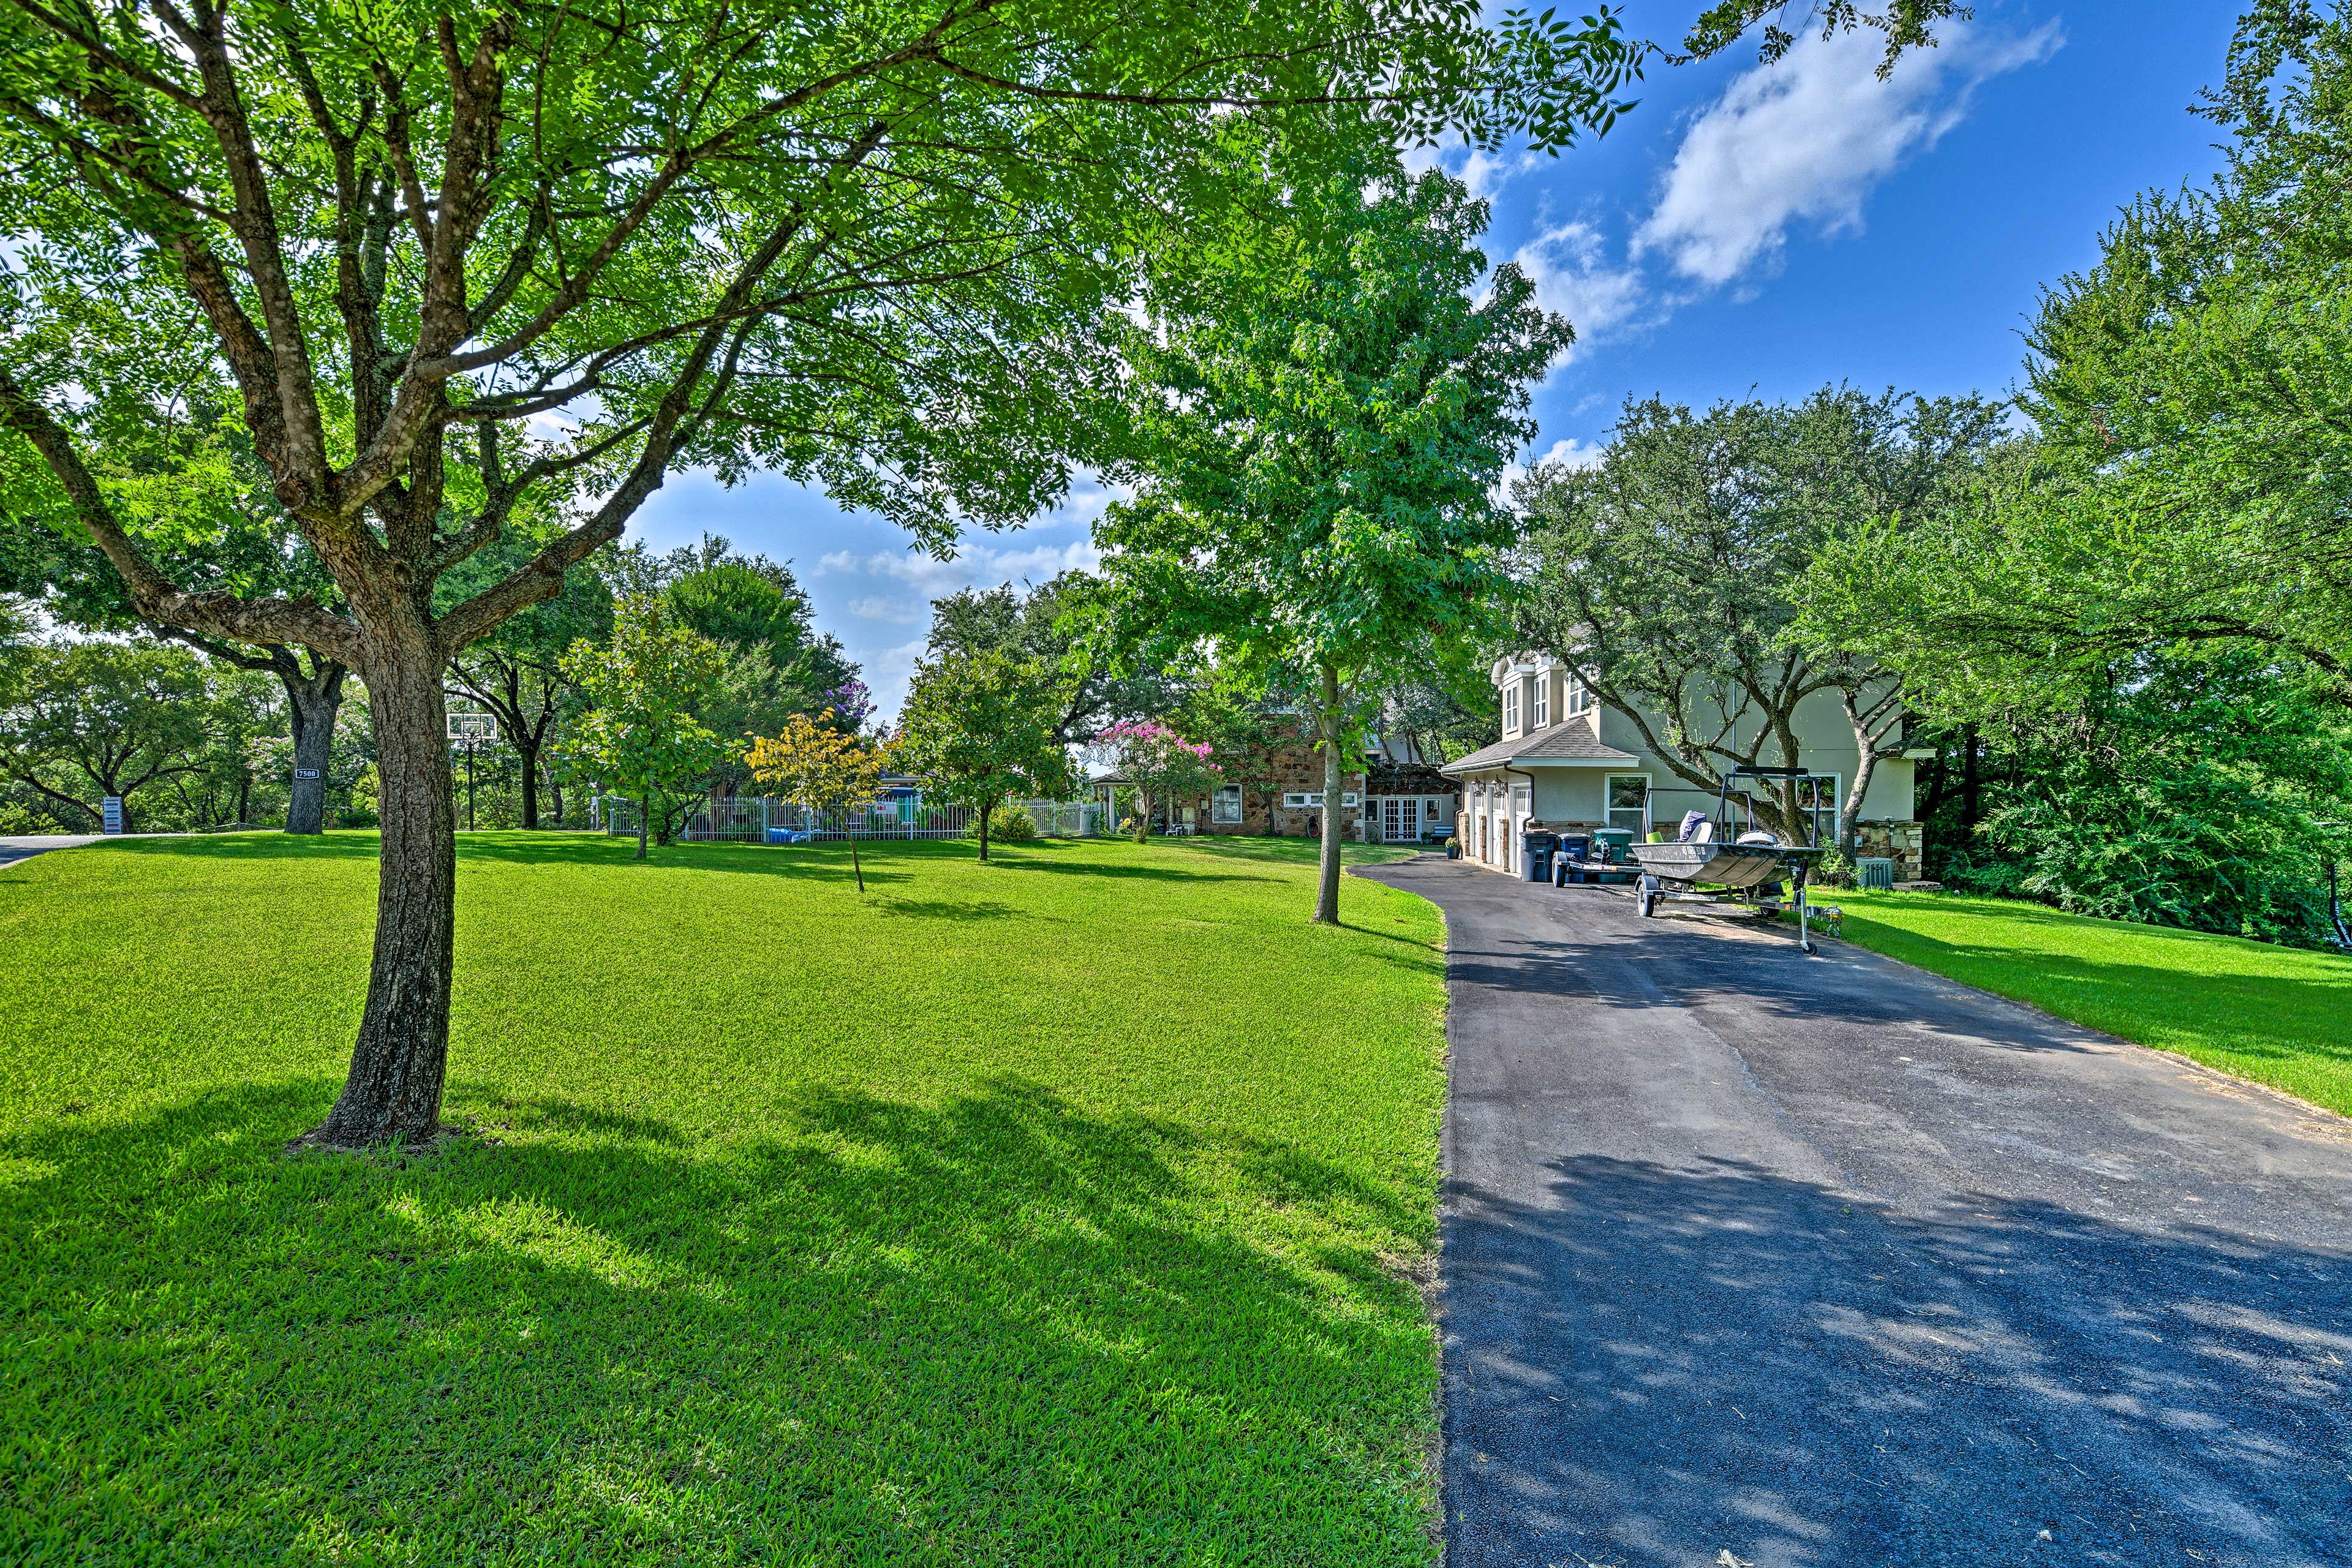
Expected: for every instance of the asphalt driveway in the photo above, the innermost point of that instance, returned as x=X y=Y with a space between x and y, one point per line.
x=25 y=846
x=1751 y=1258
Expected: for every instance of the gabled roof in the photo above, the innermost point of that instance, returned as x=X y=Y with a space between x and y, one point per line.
x=1568 y=742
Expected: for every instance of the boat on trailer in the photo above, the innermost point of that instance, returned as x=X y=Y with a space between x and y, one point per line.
x=1751 y=868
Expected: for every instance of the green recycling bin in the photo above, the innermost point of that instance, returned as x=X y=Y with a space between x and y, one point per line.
x=1616 y=841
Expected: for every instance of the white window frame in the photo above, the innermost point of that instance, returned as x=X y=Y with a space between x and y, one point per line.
x=1523 y=800
x=1511 y=707
x=1227 y=796
x=1543 y=701
x=1310 y=800
x=1579 y=698
x=1609 y=808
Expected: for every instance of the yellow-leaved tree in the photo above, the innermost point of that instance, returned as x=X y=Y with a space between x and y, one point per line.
x=820 y=767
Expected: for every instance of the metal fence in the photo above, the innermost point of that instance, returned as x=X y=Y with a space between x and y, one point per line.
x=760 y=819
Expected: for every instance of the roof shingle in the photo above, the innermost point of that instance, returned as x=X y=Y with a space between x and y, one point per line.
x=1571 y=739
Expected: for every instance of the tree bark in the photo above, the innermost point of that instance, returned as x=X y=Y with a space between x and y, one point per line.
x=1327 y=724
x=984 y=812
x=402 y=1056
x=554 y=795
x=526 y=750
x=312 y=700
x=645 y=816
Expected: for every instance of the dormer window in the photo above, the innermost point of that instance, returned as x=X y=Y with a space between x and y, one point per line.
x=1511 y=708
x=1543 y=700
x=1579 y=700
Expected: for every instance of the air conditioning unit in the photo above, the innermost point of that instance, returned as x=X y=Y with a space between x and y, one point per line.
x=1872 y=872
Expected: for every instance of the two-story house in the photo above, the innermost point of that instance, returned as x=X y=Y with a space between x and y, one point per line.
x=1568 y=760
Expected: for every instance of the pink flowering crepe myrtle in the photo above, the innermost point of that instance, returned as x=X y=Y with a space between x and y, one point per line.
x=1161 y=764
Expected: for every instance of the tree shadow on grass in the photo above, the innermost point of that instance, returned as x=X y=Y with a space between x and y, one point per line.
x=1287 y=851
x=1652 y=1364
x=1000 y=1328
x=1116 y=871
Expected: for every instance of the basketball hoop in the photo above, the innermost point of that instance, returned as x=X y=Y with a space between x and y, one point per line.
x=473 y=729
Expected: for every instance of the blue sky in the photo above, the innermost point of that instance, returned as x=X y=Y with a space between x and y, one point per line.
x=1773 y=228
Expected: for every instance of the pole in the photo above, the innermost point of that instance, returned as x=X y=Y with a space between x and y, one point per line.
x=469 y=783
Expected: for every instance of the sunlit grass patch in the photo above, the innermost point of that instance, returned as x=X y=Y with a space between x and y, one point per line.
x=1067 y=1209
x=2275 y=1014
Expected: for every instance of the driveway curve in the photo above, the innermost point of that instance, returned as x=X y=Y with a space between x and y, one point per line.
x=1757 y=1259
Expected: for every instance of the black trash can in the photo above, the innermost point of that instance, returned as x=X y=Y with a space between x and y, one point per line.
x=1537 y=848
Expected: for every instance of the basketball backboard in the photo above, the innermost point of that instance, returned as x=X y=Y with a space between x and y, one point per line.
x=475 y=727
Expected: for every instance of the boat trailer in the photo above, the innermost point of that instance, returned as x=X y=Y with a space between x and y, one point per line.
x=1749 y=865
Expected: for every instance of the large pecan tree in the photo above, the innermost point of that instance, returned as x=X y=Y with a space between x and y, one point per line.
x=464 y=261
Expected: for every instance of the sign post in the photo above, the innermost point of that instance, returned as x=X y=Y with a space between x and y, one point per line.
x=111 y=808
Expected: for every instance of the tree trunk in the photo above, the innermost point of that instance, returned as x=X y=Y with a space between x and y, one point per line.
x=856 y=868
x=645 y=816
x=555 y=795
x=311 y=702
x=528 y=749
x=984 y=812
x=1327 y=724
x=1849 y=826
x=403 y=1053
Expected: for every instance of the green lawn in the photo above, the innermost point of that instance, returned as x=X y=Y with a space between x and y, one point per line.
x=2278 y=1015
x=1069 y=1209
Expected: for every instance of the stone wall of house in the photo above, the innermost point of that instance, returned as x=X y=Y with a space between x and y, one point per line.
x=1295 y=768
x=1905 y=843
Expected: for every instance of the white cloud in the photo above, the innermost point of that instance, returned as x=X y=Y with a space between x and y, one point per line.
x=1567 y=264
x=890 y=611
x=1806 y=140
x=974 y=564
x=1575 y=454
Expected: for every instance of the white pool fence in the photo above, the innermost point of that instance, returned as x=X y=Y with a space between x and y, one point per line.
x=762 y=819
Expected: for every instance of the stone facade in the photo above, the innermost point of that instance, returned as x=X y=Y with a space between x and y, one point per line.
x=1294 y=770
x=1905 y=843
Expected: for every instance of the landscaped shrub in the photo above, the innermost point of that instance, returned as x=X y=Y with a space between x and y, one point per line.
x=1835 y=871
x=1012 y=824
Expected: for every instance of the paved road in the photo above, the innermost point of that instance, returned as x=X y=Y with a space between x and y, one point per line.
x=24 y=846
x=1760 y=1259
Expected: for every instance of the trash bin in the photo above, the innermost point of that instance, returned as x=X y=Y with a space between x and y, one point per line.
x=1574 y=846
x=1615 y=845
x=1537 y=848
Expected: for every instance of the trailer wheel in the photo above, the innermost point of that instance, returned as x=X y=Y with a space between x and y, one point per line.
x=1646 y=901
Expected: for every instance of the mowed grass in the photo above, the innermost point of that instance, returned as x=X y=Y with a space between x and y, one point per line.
x=1068 y=1209
x=2278 y=1015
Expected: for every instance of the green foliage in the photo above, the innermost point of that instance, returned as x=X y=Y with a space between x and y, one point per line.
x=2192 y=410
x=852 y=1198
x=2273 y=1014
x=978 y=729
x=1319 y=419
x=2146 y=607
x=1677 y=575
x=641 y=736
x=1010 y=825
x=2186 y=792
x=94 y=718
x=1047 y=626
